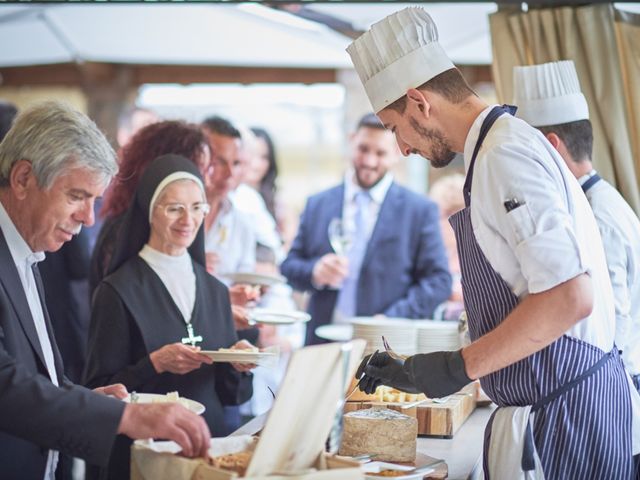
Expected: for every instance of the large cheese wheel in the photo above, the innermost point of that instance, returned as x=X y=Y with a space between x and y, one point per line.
x=388 y=434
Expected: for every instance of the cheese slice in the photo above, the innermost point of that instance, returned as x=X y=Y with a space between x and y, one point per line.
x=388 y=434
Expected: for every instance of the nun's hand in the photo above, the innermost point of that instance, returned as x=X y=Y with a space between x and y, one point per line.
x=243 y=345
x=178 y=358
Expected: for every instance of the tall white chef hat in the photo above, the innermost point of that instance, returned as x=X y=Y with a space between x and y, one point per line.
x=399 y=52
x=549 y=94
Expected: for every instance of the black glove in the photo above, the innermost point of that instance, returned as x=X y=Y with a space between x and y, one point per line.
x=381 y=369
x=437 y=374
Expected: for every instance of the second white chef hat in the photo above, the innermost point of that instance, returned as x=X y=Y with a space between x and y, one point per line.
x=549 y=94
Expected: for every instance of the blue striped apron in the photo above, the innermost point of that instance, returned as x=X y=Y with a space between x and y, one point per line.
x=580 y=395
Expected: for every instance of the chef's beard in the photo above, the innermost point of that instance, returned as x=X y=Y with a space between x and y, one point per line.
x=441 y=153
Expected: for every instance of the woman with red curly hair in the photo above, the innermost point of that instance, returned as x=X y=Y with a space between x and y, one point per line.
x=147 y=144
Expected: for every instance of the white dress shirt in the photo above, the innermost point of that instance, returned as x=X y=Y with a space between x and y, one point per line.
x=24 y=260
x=620 y=230
x=176 y=273
x=552 y=237
x=232 y=238
x=249 y=201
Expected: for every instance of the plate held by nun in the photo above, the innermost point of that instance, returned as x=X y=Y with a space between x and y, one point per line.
x=228 y=355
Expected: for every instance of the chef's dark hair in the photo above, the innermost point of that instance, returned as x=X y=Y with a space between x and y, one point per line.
x=577 y=137
x=450 y=84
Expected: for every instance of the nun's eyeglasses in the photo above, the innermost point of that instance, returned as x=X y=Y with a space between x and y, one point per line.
x=174 y=211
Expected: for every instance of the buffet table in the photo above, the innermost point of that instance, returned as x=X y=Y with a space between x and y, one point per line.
x=462 y=452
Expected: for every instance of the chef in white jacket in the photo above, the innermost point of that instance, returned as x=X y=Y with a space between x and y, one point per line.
x=534 y=276
x=548 y=97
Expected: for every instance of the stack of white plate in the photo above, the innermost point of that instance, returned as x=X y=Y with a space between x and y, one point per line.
x=400 y=333
x=434 y=336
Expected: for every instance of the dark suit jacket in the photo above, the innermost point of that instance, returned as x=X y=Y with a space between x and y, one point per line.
x=404 y=273
x=35 y=415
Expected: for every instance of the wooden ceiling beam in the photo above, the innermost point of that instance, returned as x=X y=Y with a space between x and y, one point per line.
x=67 y=74
x=202 y=74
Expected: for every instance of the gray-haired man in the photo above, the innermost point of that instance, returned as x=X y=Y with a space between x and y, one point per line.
x=54 y=162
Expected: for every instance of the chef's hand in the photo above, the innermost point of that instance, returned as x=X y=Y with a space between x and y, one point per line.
x=437 y=374
x=178 y=358
x=383 y=370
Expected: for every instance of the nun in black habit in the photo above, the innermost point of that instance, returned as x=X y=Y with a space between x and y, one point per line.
x=158 y=293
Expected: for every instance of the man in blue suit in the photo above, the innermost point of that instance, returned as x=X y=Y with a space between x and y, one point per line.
x=396 y=264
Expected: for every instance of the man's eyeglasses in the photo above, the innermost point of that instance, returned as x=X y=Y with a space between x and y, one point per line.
x=174 y=211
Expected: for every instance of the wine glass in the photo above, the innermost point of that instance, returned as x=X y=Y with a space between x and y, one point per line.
x=339 y=237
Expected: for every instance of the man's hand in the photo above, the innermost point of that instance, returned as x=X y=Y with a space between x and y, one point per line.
x=168 y=421
x=117 y=390
x=241 y=318
x=178 y=358
x=383 y=370
x=330 y=270
x=241 y=294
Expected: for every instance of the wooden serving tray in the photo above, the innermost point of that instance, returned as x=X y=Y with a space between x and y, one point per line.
x=434 y=419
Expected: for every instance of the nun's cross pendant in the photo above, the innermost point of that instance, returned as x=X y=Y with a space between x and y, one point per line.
x=192 y=339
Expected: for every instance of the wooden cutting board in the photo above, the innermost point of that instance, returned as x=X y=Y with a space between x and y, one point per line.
x=434 y=419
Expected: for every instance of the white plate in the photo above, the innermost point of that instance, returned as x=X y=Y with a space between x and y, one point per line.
x=335 y=333
x=238 y=356
x=261 y=279
x=278 y=317
x=195 y=407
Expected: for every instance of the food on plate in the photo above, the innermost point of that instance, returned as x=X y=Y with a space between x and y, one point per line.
x=387 y=434
x=389 y=473
x=171 y=397
x=236 y=462
x=236 y=350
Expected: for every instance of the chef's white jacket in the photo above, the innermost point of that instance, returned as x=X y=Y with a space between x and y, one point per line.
x=552 y=236
x=620 y=230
